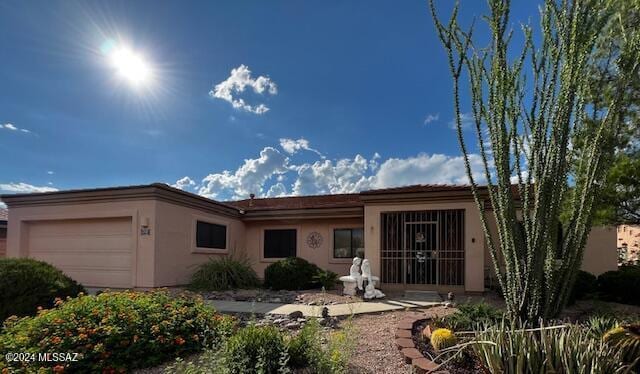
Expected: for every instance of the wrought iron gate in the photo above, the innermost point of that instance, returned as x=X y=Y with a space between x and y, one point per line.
x=423 y=247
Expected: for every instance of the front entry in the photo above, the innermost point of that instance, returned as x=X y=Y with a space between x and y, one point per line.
x=423 y=247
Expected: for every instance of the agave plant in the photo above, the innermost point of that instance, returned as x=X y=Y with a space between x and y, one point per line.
x=626 y=339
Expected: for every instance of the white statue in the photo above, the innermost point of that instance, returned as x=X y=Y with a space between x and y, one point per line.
x=352 y=280
x=354 y=271
x=370 y=291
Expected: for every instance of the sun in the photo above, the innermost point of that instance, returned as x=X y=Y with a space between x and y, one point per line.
x=131 y=66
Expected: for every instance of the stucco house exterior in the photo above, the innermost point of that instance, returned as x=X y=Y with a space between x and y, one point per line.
x=416 y=237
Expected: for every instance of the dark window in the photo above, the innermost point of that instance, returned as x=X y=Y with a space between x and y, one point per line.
x=279 y=243
x=210 y=235
x=348 y=243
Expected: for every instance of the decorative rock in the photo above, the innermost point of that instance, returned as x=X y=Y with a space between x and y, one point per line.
x=423 y=365
x=296 y=314
x=292 y=325
x=405 y=343
x=405 y=325
x=301 y=320
x=325 y=312
x=410 y=354
x=403 y=334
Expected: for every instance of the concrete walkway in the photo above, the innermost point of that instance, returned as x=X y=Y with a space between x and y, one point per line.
x=314 y=310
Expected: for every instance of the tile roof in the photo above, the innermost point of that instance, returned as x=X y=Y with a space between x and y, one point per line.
x=299 y=202
x=420 y=188
x=4 y=214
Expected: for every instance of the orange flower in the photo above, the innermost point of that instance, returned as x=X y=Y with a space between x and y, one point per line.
x=58 y=369
x=135 y=338
x=56 y=340
x=82 y=336
x=179 y=340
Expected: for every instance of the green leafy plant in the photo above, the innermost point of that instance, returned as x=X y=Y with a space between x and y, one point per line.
x=326 y=278
x=291 y=273
x=525 y=125
x=622 y=286
x=512 y=348
x=27 y=284
x=442 y=339
x=256 y=349
x=586 y=285
x=117 y=331
x=626 y=339
x=470 y=315
x=224 y=273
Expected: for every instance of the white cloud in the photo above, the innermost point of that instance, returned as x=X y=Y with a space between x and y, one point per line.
x=50 y=172
x=248 y=178
x=267 y=174
x=3 y=205
x=431 y=118
x=466 y=120
x=292 y=146
x=184 y=183
x=236 y=83
x=12 y=127
x=24 y=188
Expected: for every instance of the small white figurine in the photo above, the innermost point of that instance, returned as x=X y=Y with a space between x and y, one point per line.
x=354 y=271
x=370 y=290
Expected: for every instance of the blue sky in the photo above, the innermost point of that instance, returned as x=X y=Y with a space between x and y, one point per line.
x=266 y=97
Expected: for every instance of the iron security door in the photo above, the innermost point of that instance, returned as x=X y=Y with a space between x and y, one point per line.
x=421 y=250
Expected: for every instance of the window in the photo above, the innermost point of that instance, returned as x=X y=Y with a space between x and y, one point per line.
x=348 y=243
x=210 y=235
x=279 y=243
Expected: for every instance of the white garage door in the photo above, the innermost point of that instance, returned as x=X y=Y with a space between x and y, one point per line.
x=94 y=252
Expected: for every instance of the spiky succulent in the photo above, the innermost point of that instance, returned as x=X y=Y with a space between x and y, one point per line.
x=625 y=338
x=442 y=339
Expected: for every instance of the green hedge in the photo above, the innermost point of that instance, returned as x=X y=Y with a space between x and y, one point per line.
x=27 y=284
x=586 y=284
x=292 y=273
x=622 y=286
x=117 y=331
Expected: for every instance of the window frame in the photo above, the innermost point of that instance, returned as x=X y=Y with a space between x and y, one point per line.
x=263 y=258
x=352 y=249
x=207 y=250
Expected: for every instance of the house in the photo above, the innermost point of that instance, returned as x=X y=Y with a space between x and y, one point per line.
x=4 y=217
x=416 y=237
x=629 y=243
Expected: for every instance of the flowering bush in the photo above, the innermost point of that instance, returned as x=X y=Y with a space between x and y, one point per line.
x=116 y=331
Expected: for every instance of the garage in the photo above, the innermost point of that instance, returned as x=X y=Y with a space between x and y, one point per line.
x=95 y=252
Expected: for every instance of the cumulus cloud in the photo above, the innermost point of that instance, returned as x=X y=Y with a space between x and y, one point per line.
x=431 y=118
x=12 y=127
x=293 y=146
x=184 y=183
x=239 y=79
x=267 y=175
x=24 y=188
x=248 y=178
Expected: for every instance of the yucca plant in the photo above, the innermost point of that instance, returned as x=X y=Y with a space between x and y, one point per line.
x=512 y=348
x=525 y=126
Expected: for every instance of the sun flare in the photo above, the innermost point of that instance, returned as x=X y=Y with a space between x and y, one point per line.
x=131 y=66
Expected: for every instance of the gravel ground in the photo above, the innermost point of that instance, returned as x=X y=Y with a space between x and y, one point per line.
x=375 y=343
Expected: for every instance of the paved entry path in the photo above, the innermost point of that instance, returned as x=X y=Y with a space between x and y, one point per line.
x=315 y=311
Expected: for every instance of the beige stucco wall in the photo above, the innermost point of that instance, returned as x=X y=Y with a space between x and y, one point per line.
x=177 y=256
x=629 y=237
x=474 y=240
x=322 y=256
x=600 y=252
x=140 y=212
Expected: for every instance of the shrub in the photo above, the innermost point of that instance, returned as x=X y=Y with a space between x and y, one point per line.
x=117 y=331
x=586 y=284
x=326 y=278
x=256 y=349
x=469 y=315
x=291 y=273
x=442 y=339
x=27 y=284
x=510 y=348
x=621 y=286
x=224 y=273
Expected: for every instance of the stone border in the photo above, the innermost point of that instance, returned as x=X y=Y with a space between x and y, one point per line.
x=408 y=350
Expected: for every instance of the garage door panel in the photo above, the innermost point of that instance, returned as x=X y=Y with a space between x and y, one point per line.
x=95 y=252
x=81 y=244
